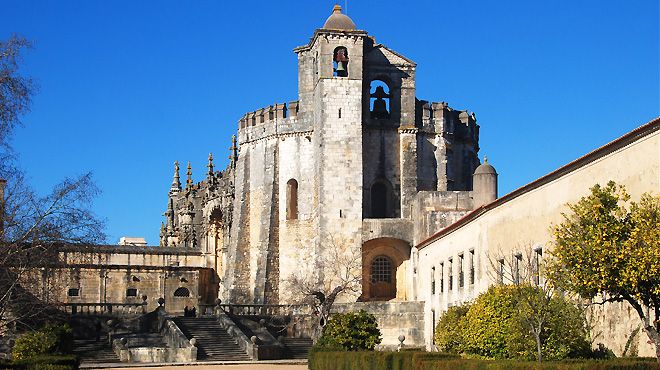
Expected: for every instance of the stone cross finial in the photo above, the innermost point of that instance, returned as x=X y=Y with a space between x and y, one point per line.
x=176 y=184
x=485 y=159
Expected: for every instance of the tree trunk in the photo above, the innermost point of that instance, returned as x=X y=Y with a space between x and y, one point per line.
x=539 y=355
x=655 y=338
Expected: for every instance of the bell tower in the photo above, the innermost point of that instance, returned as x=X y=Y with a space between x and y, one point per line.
x=330 y=88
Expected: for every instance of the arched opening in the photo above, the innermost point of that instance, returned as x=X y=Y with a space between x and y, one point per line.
x=182 y=292
x=379 y=100
x=292 y=200
x=131 y=292
x=340 y=62
x=379 y=200
x=384 y=264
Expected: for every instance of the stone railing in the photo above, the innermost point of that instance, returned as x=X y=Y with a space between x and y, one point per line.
x=249 y=346
x=113 y=309
x=262 y=309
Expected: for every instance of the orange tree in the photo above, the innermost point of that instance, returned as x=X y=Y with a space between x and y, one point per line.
x=608 y=246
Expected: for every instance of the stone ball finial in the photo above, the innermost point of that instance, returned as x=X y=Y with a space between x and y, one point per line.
x=193 y=342
x=218 y=302
x=402 y=338
x=161 y=301
x=262 y=322
x=253 y=339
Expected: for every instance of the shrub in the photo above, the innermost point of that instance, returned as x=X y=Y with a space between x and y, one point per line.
x=448 y=331
x=49 y=340
x=351 y=331
x=493 y=327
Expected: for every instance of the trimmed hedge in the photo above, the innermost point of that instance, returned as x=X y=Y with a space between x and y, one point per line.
x=46 y=362
x=408 y=360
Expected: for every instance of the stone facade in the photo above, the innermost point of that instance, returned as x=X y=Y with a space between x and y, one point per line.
x=358 y=162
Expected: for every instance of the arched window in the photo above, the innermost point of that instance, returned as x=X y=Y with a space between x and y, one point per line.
x=182 y=292
x=379 y=102
x=379 y=200
x=292 y=200
x=340 y=62
x=381 y=270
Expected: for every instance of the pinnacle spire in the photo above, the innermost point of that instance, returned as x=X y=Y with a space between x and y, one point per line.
x=176 y=184
x=189 y=181
x=233 y=157
x=210 y=165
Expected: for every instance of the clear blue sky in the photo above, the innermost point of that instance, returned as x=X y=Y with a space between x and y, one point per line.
x=127 y=87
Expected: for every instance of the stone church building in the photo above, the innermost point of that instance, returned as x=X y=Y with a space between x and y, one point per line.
x=358 y=165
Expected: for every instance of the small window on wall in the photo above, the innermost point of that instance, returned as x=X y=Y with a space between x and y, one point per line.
x=73 y=292
x=538 y=256
x=450 y=273
x=433 y=280
x=292 y=200
x=131 y=292
x=472 y=267
x=340 y=62
x=461 y=274
x=182 y=292
x=379 y=100
x=517 y=261
x=442 y=277
x=500 y=271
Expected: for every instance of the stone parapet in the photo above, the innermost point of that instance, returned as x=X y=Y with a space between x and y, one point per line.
x=270 y=121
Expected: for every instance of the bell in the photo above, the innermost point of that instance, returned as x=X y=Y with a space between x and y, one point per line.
x=340 y=67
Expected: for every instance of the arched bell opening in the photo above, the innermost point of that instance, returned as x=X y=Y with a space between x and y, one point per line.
x=340 y=62
x=379 y=100
x=384 y=265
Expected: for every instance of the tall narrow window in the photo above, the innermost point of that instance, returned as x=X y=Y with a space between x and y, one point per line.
x=517 y=261
x=461 y=274
x=472 y=267
x=379 y=96
x=379 y=200
x=340 y=62
x=442 y=277
x=450 y=274
x=500 y=271
x=433 y=280
x=292 y=200
x=538 y=256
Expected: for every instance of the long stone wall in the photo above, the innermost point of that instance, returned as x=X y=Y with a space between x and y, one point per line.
x=521 y=220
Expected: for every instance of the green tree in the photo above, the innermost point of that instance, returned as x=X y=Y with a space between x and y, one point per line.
x=608 y=246
x=449 y=330
x=497 y=326
x=352 y=331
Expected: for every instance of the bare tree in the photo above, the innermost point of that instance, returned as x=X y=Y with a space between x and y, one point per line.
x=33 y=228
x=336 y=271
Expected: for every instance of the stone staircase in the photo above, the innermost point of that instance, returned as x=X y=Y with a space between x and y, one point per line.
x=297 y=348
x=213 y=342
x=89 y=351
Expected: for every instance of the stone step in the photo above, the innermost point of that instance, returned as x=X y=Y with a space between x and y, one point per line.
x=91 y=351
x=213 y=342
